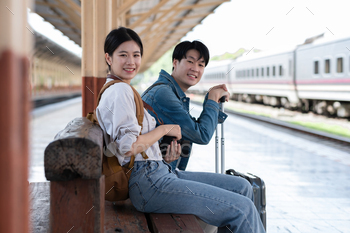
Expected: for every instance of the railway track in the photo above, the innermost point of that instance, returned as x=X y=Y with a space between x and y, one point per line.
x=40 y=102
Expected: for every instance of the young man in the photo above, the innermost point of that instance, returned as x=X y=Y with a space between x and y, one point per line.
x=167 y=97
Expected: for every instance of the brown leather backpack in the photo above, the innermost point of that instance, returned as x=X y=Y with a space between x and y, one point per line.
x=117 y=176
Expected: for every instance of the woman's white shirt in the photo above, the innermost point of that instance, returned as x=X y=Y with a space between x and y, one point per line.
x=116 y=114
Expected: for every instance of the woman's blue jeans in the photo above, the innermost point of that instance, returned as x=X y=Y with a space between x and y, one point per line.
x=220 y=200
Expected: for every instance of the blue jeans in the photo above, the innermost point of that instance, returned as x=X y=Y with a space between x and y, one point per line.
x=182 y=165
x=220 y=200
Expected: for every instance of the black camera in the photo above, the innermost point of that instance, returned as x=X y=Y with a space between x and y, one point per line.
x=185 y=146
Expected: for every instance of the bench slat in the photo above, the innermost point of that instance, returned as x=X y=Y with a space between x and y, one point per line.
x=122 y=216
x=174 y=223
x=40 y=206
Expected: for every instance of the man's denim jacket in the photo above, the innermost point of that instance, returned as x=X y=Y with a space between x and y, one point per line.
x=172 y=107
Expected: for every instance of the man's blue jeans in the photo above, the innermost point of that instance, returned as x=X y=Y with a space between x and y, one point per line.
x=220 y=200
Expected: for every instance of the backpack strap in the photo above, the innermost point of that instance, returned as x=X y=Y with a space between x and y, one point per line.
x=139 y=109
x=153 y=85
x=148 y=107
x=92 y=115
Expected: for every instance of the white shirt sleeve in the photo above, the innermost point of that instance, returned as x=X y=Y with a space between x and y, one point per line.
x=116 y=114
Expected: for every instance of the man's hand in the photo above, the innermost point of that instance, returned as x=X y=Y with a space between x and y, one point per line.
x=173 y=152
x=216 y=92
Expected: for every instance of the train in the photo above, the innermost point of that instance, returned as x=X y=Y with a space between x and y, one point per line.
x=314 y=76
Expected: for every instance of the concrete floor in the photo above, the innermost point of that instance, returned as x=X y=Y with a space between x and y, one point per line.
x=307 y=183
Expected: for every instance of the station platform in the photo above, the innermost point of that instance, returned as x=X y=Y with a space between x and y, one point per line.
x=307 y=184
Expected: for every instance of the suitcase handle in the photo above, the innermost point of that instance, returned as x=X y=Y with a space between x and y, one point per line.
x=217 y=168
x=222 y=99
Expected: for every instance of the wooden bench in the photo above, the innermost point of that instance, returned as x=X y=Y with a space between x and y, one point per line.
x=73 y=200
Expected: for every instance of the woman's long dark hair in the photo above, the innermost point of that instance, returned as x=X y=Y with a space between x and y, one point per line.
x=118 y=36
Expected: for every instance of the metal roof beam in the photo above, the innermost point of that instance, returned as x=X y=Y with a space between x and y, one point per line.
x=72 y=14
x=187 y=26
x=202 y=4
x=46 y=4
x=64 y=25
x=195 y=16
x=75 y=6
x=126 y=6
x=203 y=15
x=45 y=15
x=149 y=13
x=198 y=5
x=169 y=11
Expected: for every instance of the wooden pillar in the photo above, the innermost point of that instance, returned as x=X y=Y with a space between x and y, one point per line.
x=97 y=21
x=87 y=19
x=15 y=42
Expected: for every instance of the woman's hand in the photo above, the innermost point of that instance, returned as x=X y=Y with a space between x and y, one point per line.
x=144 y=141
x=173 y=131
x=173 y=152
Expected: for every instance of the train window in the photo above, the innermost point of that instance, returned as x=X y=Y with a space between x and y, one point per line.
x=262 y=71
x=267 y=71
x=243 y=73
x=327 y=66
x=281 y=71
x=316 y=67
x=339 y=65
x=273 y=71
x=247 y=73
x=252 y=72
x=257 y=72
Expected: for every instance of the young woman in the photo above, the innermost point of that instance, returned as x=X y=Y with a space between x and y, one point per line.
x=221 y=200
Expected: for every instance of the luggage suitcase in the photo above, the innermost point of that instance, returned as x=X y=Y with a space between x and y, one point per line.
x=259 y=191
x=257 y=183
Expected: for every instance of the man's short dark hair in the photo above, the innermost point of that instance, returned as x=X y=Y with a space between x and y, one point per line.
x=182 y=48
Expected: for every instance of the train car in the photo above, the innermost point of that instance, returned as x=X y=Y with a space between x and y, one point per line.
x=310 y=77
x=323 y=76
x=265 y=77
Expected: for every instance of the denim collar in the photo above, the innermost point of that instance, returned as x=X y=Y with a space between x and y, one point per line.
x=164 y=77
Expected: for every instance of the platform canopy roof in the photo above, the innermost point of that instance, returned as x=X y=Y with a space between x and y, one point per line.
x=44 y=48
x=160 y=23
